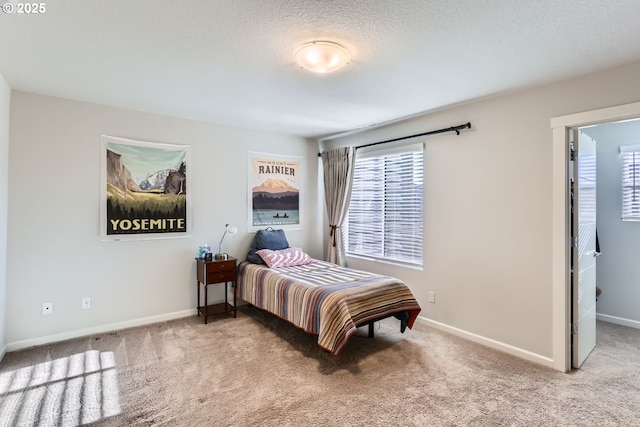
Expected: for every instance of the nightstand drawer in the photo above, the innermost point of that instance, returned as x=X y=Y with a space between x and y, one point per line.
x=221 y=266
x=221 y=276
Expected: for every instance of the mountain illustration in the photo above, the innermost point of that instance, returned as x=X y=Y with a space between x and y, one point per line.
x=165 y=180
x=117 y=173
x=155 y=181
x=276 y=194
x=275 y=186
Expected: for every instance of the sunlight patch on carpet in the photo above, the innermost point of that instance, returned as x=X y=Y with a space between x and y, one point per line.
x=70 y=391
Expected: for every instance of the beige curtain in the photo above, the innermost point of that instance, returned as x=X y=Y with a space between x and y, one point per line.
x=338 y=167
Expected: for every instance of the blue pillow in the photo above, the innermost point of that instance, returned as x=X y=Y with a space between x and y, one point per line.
x=269 y=238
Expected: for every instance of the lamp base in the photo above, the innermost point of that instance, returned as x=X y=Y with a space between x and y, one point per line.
x=221 y=256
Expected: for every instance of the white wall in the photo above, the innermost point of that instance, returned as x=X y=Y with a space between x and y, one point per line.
x=5 y=98
x=488 y=210
x=618 y=272
x=54 y=249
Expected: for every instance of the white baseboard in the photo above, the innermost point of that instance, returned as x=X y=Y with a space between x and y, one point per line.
x=497 y=345
x=618 y=320
x=20 y=345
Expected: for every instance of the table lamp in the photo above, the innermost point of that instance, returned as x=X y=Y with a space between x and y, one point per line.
x=228 y=229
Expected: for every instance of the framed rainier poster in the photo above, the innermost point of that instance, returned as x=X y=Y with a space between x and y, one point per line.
x=144 y=192
x=275 y=191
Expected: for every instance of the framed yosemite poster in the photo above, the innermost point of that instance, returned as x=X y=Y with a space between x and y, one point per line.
x=144 y=190
x=275 y=191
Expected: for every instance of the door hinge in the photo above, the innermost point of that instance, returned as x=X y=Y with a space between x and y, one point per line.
x=574 y=242
x=574 y=329
x=572 y=154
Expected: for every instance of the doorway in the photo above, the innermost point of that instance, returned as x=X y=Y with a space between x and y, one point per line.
x=562 y=243
x=617 y=209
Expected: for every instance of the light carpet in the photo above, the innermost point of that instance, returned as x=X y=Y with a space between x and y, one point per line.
x=257 y=370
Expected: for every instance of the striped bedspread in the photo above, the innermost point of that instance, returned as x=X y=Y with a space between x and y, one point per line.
x=325 y=299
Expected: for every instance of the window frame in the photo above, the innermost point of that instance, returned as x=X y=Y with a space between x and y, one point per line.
x=393 y=230
x=630 y=157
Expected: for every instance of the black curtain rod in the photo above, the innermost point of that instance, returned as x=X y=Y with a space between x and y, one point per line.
x=455 y=129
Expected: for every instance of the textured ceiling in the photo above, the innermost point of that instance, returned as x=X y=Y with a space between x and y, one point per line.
x=230 y=61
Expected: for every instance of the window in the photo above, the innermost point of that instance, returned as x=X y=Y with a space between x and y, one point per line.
x=385 y=218
x=630 y=182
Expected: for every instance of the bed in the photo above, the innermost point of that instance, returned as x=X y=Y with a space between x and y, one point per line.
x=325 y=299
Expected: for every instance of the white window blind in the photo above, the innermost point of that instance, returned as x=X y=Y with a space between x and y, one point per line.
x=630 y=182
x=385 y=218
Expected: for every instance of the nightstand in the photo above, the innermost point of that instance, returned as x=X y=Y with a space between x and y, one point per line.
x=211 y=273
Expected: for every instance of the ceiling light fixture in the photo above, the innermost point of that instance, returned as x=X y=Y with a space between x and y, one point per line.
x=321 y=56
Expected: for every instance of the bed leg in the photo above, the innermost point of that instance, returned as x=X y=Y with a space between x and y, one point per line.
x=371 y=329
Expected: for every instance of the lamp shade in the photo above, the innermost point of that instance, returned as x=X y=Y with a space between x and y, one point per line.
x=231 y=229
x=321 y=56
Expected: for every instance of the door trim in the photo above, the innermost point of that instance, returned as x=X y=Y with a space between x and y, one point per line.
x=561 y=280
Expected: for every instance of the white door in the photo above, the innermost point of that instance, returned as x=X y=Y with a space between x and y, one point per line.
x=584 y=252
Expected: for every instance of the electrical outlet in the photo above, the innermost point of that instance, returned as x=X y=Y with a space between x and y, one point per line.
x=86 y=303
x=432 y=297
x=47 y=308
